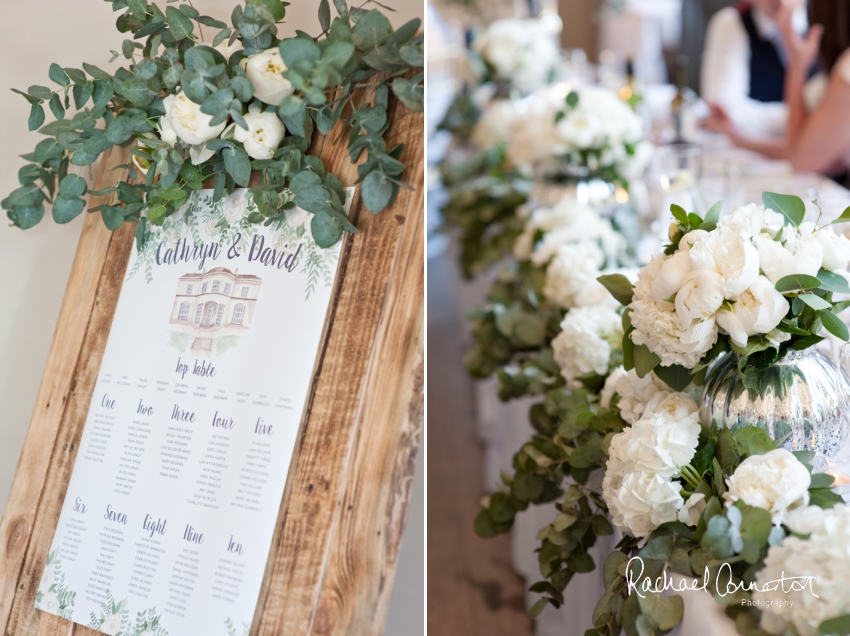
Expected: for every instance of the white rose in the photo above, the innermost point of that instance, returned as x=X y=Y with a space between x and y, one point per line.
x=757 y=311
x=264 y=134
x=187 y=121
x=49 y=603
x=235 y=205
x=836 y=249
x=165 y=129
x=730 y=254
x=671 y=276
x=642 y=502
x=47 y=578
x=635 y=393
x=588 y=337
x=610 y=387
x=296 y=217
x=776 y=481
x=265 y=70
x=801 y=254
x=111 y=624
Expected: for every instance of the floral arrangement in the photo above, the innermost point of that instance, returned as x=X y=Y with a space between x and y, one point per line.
x=623 y=446
x=520 y=52
x=245 y=103
x=757 y=283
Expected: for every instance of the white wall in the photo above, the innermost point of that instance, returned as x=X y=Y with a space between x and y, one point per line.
x=36 y=263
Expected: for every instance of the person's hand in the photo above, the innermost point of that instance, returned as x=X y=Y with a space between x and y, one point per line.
x=802 y=51
x=718 y=121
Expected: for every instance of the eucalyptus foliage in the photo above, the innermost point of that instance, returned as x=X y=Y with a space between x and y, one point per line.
x=165 y=55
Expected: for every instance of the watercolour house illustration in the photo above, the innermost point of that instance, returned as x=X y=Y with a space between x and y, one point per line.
x=214 y=306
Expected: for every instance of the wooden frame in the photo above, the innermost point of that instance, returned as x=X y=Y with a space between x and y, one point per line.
x=332 y=561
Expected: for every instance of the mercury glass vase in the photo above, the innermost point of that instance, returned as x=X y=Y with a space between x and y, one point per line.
x=802 y=401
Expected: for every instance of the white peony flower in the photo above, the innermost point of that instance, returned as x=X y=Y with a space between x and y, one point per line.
x=690 y=239
x=588 y=337
x=836 y=249
x=111 y=625
x=264 y=134
x=610 y=387
x=265 y=70
x=50 y=603
x=640 y=502
x=753 y=220
x=635 y=393
x=574 y=267
x=730 y=254
x=776 y=481
x=699 y=298
x=657 y=325
x=823 y=556
x=671 y=276
x=758 y=311
x=184 y=118
x=800 y=254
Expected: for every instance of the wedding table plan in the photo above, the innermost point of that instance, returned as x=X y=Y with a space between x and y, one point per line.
x=176 y=413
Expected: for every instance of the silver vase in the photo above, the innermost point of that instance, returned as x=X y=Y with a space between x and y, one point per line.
x=804 y=400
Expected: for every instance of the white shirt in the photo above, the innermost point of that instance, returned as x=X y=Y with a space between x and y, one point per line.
x=726 y=71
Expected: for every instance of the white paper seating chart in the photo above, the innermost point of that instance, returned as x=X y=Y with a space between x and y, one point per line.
x=172 y=504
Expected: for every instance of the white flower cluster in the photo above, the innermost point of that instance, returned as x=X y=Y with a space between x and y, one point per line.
x=184 y=120
x=825 y=555
x=589 y=335
x=723 y=281
x=520 y=51
x=568 y=221
x=775 y=481
x=643 y=460
x=638 y=396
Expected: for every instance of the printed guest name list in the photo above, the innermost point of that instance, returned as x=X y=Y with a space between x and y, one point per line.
x=171 y=507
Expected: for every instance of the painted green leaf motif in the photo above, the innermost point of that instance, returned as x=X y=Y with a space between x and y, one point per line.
x=789 y=206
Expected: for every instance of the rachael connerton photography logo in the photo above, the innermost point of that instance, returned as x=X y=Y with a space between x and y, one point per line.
x=635 y=569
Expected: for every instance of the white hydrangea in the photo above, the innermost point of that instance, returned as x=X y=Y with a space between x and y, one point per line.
x=589 y=335
x=521 y=51
x=600 y=121
x=658 y=326
x=657 y=444
x=775 y=481
x=825 y=555
x=568 y=220
x=640 y=502
x=574 y=268
x=610 y=387
x=636 y=392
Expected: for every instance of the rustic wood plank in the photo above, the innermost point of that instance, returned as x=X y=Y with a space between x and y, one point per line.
x=21 y=509
x=371 y=515
x=326 y=446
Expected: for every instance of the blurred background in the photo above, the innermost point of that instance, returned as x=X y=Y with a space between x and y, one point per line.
x=39 y=259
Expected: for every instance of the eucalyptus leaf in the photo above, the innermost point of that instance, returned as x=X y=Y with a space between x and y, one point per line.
x=789 y=206
x=834 y=325
x=797 y=283
x=66 y=210
x=376 y=191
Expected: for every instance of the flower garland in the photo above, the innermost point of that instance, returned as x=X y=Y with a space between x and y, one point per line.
x=246 y=103
x=624 y=446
